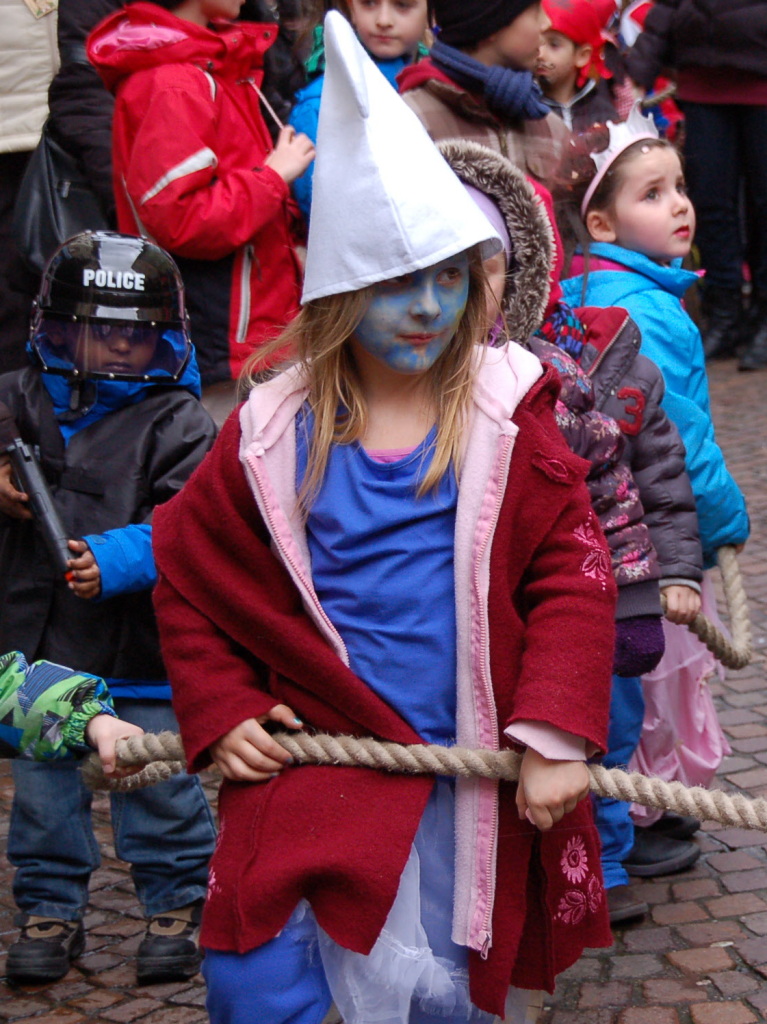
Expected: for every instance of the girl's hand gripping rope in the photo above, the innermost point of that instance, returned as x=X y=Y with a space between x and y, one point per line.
x=248 y=753
x=547 y=790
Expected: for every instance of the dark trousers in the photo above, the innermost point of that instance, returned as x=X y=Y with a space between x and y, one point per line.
x=17 y=285
x=725 y=147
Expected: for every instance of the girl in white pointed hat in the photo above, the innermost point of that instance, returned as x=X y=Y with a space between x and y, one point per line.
x=391 y=539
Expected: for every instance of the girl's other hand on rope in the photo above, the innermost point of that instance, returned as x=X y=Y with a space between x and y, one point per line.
x=682 y=604
x=248 y=753
x=547 y=790
x=292 y=154
x=103 y=732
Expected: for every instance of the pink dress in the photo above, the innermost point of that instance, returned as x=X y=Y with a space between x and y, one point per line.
x=682 y=739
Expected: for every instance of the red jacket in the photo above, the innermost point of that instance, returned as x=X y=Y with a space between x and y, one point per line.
x=237 y=639
x=189 y=145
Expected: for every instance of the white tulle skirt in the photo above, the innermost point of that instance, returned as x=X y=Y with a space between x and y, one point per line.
x=415 y=973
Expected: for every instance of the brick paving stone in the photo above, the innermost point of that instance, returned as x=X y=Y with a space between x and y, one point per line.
x=678 y=913
x=132 y=1009
x=745 y=881
x=753 y=951
x=645 y=940
x=640 y=965
x=756 y=923
x=645 y=1015
x=57 y=1017
x=697 y=888
x=701 y=960
x=722 y=1013
x=708 y=932
x=734 y=983
x=22 y=1007
x=738 y=860
x=732 y=906
x=613 y=993
x=671 y=990
x=590 y=1017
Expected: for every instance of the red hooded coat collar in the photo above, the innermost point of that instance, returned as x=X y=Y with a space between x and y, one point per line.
x=144 y=35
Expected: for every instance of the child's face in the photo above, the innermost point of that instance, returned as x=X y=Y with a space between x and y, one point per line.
x=124 y=349
x=517 y=45
x=560 y=61
x=203 y=11
x=651 y=213
x=412 y=319
x=389 y=28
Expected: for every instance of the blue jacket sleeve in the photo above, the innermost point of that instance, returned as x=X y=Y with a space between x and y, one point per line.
x=125 y=559
x=672 y=341
x=304 y=118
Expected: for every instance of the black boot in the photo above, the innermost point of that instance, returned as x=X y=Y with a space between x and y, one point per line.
x=723 y=309
x=755 y=355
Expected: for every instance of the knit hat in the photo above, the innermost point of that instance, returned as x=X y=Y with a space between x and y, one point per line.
x=466 y=22
x=384 y=200
x=583 y=22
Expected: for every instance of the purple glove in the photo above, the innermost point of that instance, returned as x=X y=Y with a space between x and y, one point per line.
x=639 y=645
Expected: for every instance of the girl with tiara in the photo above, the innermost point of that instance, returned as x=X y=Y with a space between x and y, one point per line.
x=391 y=539
x=627 y=223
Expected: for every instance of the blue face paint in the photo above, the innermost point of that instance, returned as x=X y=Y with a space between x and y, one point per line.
x=412 y=319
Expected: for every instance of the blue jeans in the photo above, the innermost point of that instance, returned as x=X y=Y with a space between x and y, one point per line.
x=616 y=829
x=165 y=832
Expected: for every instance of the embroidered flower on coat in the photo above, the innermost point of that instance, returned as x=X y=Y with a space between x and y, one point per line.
x=574 y=862
x=594 y=892
x=572 y=907
x=596 y=564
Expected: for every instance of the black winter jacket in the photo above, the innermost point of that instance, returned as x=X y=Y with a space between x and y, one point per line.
x=112 y=473
x=629 y=387
x=80 y=105
x=701 y=33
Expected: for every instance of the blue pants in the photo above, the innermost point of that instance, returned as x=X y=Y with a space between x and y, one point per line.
x=165 y=832
x=616 y=829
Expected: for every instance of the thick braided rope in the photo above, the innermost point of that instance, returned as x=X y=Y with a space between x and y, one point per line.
x=735 y=653
x=349 y=751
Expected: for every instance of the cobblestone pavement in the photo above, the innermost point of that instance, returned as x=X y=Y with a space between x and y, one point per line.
x=699 y=958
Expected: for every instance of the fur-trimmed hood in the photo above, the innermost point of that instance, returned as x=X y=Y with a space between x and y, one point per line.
x=532 y=240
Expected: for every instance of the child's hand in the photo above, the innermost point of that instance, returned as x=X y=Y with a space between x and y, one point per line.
x=248 y=753
x=87 y=575
x=548 y=790
x=682 y=604
x=292 y=154
x=12 y=502
x=103 y=732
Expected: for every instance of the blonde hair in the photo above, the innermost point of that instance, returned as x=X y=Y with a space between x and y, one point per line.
x=318 y=341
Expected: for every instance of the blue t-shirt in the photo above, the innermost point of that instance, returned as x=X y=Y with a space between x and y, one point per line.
x=382 y=566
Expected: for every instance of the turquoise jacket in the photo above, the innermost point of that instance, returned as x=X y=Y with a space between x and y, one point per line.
x=652 y=294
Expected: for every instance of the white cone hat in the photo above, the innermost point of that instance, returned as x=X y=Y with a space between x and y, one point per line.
x=384 y=201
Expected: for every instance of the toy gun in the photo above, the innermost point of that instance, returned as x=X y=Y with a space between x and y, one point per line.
x=30 y=480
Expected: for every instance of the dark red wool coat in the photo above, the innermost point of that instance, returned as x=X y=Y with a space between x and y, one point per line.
x=236 y=641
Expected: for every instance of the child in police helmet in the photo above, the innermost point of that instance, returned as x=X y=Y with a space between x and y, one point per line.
x=110 y=403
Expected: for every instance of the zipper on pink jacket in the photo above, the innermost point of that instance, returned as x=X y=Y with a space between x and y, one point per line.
x=485 y=935
x=295 y=568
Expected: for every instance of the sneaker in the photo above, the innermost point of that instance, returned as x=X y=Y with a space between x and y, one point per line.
x=653 y=855
x=623 y=905
x=169 y=949
x=673 y=826
x=44 y=949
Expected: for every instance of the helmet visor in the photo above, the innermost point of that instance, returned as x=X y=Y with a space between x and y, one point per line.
x=111 y=349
